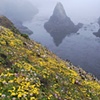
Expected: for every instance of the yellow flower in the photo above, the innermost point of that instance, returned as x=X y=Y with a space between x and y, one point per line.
x=73 y=80
x=3 y=42
x=11 y=81
x=9 y=74
x=33 y=98
x=20 y=95
x=12 y=43
x=13 y=94
x=49 y=97
x=0 y=94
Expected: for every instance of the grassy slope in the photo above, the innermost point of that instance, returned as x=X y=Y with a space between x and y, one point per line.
x=28 y=71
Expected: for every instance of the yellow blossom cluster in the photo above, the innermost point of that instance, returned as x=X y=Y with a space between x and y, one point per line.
x=35 y=73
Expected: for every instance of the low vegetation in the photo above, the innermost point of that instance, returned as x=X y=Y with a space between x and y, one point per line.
x=29 y=71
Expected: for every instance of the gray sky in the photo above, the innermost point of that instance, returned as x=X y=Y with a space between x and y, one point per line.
x=77 y=10
x=20 y=10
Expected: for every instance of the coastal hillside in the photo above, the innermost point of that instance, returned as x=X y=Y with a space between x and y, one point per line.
x=29 y=71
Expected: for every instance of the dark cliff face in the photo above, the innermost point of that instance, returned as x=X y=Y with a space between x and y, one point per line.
x=60 y=25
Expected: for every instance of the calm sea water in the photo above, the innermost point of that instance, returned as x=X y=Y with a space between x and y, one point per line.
x=81 y=48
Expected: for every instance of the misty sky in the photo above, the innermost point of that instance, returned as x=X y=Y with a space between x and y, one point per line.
x=77 y=10
x=20 y=10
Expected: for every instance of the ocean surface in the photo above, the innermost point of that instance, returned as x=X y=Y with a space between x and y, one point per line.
x=81 y=48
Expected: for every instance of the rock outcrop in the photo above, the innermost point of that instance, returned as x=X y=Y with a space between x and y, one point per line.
x=60 y=24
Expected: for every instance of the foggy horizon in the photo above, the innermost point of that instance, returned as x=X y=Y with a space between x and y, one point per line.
x=84 y=11
x=78 y=10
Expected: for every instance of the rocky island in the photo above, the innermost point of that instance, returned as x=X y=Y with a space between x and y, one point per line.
x=60 y=25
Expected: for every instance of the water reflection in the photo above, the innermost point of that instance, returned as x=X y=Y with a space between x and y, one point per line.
x=58 y=37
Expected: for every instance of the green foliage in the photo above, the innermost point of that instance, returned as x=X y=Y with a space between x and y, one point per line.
x=25 y=36
x=34 y=73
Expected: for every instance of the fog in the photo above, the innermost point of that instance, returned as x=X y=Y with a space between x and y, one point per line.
x=17 y=10
x=78 y=10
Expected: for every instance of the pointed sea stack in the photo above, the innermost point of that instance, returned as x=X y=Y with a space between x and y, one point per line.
x=59 y=22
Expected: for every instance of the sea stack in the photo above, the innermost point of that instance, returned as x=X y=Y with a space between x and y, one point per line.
x=59 y=22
